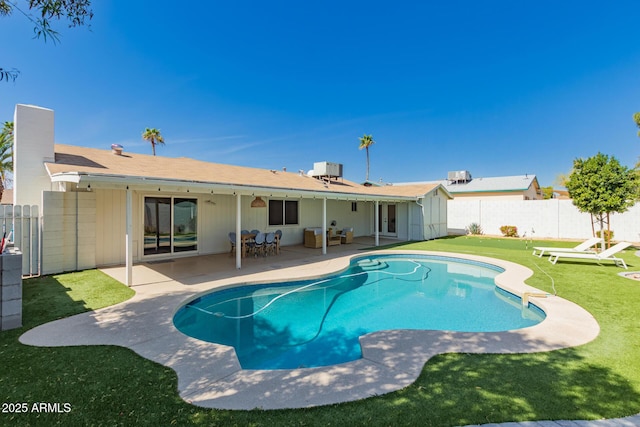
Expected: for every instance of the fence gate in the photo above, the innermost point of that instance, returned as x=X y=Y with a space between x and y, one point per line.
x=22 y=225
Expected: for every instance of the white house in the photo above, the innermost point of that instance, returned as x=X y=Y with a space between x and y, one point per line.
x=110 y=207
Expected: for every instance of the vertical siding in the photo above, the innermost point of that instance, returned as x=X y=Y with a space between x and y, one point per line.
x=435 y=216
x=110 y=230
x=68 y=231
x=52 y=232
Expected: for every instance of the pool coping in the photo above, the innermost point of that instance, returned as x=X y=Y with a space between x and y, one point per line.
x=209 y=375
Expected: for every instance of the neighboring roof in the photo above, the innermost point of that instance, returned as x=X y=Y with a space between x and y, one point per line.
x=7 y=197
x=488 y=185
x=81 y=164
x=561 y=194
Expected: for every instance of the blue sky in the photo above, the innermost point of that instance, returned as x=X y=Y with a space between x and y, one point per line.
x=493 y=87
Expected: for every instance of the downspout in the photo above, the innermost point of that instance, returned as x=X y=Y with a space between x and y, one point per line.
x=423 y=218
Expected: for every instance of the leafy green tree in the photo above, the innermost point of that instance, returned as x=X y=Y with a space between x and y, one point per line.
x=547 y=192
x=365 y=142
x=154 y=137
x=6 y=154
x=42 y=13
x=561 y=179
x=600 y=185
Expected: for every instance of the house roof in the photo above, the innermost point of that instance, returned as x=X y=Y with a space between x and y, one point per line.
x=488 y=185
x=7 y=197
x=90 y=166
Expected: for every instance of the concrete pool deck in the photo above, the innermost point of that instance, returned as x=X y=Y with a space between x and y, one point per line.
x=209 y=375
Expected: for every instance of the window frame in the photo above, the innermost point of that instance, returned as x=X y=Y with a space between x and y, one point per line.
x=284 y=214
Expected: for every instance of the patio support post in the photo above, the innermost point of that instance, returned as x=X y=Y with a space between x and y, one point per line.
x=238 y=231
x=324 y=226
x=409 y=219
x=129 y=239
x=376 y=221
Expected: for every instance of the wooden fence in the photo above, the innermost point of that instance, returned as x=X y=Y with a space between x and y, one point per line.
x=22 y=223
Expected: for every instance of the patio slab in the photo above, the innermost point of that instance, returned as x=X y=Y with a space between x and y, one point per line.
x=210 y=375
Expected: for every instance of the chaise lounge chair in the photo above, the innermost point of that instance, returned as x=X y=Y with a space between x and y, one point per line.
x=582 y=247
x=603 y=256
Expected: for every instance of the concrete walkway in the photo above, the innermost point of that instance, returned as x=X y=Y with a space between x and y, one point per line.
x=210 y=375
x=633 y=421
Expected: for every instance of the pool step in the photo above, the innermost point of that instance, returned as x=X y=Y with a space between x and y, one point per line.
x=372 y=264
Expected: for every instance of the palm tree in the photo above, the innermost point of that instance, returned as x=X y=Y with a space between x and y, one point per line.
x=154 y=137
x=6 y=154
x=365 y=142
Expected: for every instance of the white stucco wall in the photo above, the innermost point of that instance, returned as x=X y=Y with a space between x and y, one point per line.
x=555 y=218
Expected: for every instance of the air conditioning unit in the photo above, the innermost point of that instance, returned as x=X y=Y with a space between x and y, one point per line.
x=459 y=176
x=327 y=169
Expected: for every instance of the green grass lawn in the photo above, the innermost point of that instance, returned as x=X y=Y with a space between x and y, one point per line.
x=107 y=385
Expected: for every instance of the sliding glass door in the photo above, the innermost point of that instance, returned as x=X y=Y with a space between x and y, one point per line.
x=170 y=225
x=185 y=225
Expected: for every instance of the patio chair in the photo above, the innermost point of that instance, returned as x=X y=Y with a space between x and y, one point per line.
x=607 y=255
x=582 y=247
x=270 y=243
x=278 y=240
x=259 y=244
x=346 y=236
x=232 y=240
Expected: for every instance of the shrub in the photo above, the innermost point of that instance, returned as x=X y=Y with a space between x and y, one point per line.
x=474 y=228
x=608 y=235
x=509 y=230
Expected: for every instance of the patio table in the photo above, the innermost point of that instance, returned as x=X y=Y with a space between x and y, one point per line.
x=245 y=238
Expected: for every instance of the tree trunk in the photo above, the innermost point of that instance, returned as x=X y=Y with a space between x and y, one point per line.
x=602 y=236
x=367 y=178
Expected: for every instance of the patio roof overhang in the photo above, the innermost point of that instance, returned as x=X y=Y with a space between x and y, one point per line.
x=121 y=182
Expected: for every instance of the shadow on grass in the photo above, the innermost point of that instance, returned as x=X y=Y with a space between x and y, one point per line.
x=457 y=389
x=46 y=299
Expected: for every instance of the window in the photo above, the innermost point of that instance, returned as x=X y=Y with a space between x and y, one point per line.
x=283 y=212
x=164 y=214
x=354 y=206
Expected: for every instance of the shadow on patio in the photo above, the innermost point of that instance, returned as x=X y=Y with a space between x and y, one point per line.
x=205 y=268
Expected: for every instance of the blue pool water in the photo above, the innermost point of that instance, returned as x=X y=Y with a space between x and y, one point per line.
x=317 y=322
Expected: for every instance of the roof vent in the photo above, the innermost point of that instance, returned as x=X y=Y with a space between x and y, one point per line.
x=117 y=149
x=456 y=177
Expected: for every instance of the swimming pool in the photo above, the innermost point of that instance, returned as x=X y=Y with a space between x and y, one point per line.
x=318 y=322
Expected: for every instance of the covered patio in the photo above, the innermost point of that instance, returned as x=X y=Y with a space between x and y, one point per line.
x=204 y=268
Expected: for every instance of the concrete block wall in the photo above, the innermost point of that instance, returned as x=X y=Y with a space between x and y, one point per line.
x=10 y=289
